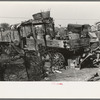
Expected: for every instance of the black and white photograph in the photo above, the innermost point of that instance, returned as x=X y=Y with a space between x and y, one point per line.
x=47 y=41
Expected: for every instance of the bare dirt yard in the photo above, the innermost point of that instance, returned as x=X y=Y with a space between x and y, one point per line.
x=18 y=73
x=73 y=74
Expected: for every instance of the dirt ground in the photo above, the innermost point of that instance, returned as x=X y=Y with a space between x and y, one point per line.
x=73 y=74
x=18 y=73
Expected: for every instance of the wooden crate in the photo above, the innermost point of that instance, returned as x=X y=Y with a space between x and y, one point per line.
x=77 y=43
x=37 y=16
x=84 y=42
x=74 y=43
x=73 y=62
x=30 y=44
x=45 y=14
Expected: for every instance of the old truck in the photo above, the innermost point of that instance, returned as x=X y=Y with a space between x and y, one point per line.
x=51 y=48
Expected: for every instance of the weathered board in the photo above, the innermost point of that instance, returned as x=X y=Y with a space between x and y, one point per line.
x=74 y=44
x=52 y=43
x=77 y=43
x=30 y=44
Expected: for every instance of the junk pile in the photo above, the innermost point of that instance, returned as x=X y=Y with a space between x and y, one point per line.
x=90 y=58
x=17 y=64
x=95 y=77
x=40 y=50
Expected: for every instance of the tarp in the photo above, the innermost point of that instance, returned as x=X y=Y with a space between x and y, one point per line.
x=75 y=28
x=41 y=15
x=93 y=37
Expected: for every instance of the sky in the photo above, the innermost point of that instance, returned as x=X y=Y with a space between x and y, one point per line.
x=62 y=12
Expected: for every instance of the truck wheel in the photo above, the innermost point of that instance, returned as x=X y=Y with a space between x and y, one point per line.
x=58 y=61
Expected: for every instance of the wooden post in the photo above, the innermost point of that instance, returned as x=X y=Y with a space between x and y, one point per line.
x=13 y=35
x=53 y=30
x=1 y=36
x=44 y=36
x=35 y=38
x=2 y=71
x=37 y=49
x=19 y=33
x=10 y=37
